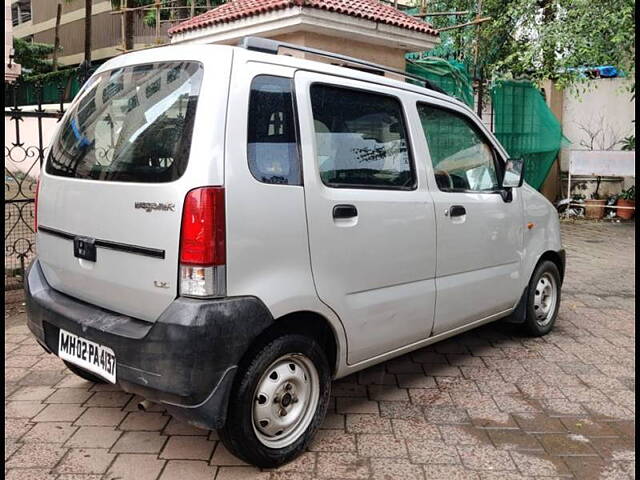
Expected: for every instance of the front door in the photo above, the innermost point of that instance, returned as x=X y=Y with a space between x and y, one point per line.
x=370 y=218
x=480 y=235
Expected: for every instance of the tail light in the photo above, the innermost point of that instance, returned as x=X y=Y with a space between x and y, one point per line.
x=35 y=206
x=202 y=244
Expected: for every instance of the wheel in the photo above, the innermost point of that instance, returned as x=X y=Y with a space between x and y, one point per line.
x=543 y=300
x=84 y=374
x=278 y=401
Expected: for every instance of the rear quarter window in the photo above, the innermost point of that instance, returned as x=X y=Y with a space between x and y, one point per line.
x=131 y=124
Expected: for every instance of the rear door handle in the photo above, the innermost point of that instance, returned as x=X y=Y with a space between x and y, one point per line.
x=457 y=211
x=345 y=211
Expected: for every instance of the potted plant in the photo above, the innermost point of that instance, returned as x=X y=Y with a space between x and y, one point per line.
x=627 y=199
x=594 y=206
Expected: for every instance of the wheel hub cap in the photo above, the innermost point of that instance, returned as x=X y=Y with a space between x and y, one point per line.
x=545 y=299
x=285 y=400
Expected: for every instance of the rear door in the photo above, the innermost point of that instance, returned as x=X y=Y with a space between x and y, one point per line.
x=370 y=218
x=112 y=190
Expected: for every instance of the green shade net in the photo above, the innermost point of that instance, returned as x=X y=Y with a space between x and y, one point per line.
x=526 y=127
x=449 y=75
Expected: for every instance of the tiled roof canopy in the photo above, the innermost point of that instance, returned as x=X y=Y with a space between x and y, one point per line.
x=367 y=9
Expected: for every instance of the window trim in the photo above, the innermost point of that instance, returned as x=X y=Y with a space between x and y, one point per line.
x=407 y=129
x=497 y=160
x=296 y=130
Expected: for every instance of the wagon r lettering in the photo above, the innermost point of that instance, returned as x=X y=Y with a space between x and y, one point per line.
x=150 y=206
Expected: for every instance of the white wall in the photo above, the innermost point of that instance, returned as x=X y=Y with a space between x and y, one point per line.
x=605 y=108
x=22 y=158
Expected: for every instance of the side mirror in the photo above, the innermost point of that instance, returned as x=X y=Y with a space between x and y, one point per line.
x=513 y=173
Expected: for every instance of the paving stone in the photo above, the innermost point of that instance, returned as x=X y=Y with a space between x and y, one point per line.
x=69 y=395
x=333 y=441
x=387 y=469
x=30 y=474
x=242 y=473
x=139 y=442
x=343 y=465
x=179 y=427
x=449 y=472
x=16 y=427
x=135 y=467
x=86 y=460
x=463 y=435
x=222 y=456
x=400 y=410
x=415 y=428
x=356 y=405
x=431 y=452
x=108 y=399
x=188 y=470
x=94 y=437
x=101 y=417
x=381 y=446
x=568 y=444
x=49 y=432
x=188 y=448
x=33 y=393
x=36 y=455
x=485 y=458
x=514 y=439
x=59 y=413
x=22 y=409
x=358 y=423
x=389 y=393
x=150 y=421
x=532 y=463
x=415 y=380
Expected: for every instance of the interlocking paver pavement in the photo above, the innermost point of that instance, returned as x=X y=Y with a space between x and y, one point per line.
x=488 y=404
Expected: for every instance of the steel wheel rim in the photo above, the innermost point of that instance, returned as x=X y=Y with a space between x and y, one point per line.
x=545 y=299
x=285 y=400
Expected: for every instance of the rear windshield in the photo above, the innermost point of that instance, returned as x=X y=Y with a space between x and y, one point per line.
x=131 y=124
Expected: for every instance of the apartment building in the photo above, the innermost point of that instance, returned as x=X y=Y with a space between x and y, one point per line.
x=36 y=19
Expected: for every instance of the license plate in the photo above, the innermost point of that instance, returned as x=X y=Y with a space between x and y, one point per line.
x=89 y=355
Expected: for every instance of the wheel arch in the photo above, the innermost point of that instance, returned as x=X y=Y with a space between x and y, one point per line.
x=305 y=322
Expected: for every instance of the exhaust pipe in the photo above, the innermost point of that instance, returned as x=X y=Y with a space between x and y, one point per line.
x=144 y=405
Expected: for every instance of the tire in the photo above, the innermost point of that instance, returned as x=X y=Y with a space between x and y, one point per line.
x=84 y=374
x=543 y=299
x=290 y=375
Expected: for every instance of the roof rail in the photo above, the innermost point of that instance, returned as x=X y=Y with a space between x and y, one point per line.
x=266 y=45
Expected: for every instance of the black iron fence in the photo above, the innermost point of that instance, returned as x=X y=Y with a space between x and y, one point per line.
x=27 y=132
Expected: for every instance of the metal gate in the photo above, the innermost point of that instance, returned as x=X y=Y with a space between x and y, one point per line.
x=26 y=132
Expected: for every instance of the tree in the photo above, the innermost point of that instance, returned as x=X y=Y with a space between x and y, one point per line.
x=543 y=39
x=87 y=31
x=33 y=57
x=56 y=35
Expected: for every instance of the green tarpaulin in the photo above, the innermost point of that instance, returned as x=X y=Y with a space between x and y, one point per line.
x=451 y=76
x=526 y=127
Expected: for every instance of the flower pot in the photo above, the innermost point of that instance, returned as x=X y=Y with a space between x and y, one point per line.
x=594 y=209
x=625 y=213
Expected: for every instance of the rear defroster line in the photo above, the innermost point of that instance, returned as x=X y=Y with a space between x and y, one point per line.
x=122 y=247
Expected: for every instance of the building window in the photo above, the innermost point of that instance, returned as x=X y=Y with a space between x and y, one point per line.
x=20 y=12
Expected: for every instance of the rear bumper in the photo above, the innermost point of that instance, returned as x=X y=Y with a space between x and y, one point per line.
x=186 y=360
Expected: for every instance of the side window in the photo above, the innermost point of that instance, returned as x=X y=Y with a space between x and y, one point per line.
x=272 y=148
x=462 y=159
x=361 y=139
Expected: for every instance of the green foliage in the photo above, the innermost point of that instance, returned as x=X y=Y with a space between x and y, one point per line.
x=32 y=56
x=628 y=194
x=50 y=77
x=629 y=143
x=540 y=39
